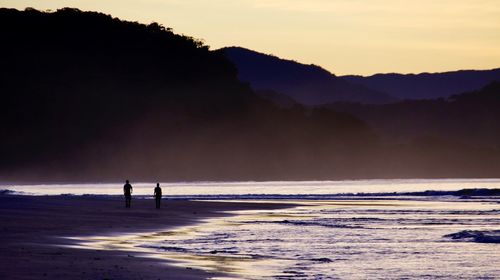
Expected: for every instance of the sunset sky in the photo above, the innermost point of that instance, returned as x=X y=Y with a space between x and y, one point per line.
x=343 y=36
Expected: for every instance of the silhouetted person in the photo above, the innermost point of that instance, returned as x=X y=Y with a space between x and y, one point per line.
x=127 y=191
x=158 y=195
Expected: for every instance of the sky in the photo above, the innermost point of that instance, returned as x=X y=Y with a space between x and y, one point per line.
x=343 y=36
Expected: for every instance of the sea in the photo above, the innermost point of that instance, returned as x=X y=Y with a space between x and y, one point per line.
x=371 y=229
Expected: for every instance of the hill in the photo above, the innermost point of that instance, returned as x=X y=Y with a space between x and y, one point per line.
x=470 y=118
x=427 y=85
x=89 y=97
x=306 y=84
x=461 y=133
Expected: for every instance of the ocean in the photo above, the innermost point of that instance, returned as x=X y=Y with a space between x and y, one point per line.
x=236 y=190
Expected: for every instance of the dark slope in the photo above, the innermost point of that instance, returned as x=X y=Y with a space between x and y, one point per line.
x=85 y=96
x=460 y=133
x=306 y=84
x=471 y=118
x=427 y=85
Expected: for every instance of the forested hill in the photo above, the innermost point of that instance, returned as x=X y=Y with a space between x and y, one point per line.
x=86 y=96
x=460 y=133
x=470 y=118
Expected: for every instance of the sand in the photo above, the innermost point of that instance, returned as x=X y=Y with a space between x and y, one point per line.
x=31 y=228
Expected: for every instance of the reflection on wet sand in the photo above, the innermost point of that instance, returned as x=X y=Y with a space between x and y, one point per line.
x=230 y=266
x=319 y=239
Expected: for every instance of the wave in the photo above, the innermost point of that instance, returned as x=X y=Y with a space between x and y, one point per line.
x=429 y=194
x=463 y=193
x=486 y=236
x=9 y=192
x=319 y=223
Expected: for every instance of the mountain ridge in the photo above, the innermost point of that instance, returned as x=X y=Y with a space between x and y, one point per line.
x=427 y=85
x=307 y=84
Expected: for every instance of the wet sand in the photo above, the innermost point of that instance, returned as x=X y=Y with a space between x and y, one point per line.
x=32 y=230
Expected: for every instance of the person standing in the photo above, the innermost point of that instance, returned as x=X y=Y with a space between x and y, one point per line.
x=157 y=195
x=127 y=191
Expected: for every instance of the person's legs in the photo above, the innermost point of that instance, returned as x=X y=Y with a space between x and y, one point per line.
x=158 y=203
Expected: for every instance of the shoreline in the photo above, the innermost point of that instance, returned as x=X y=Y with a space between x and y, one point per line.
x=35 y=231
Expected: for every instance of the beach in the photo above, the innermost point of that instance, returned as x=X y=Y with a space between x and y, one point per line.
x=33 y=235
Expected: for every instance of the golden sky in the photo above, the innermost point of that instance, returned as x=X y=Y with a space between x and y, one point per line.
x=343 y=36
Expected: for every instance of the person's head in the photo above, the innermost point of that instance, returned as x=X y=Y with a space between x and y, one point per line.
x=126 y=181
x=157 y=184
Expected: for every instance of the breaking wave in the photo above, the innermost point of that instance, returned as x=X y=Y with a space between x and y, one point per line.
x=485 y=236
